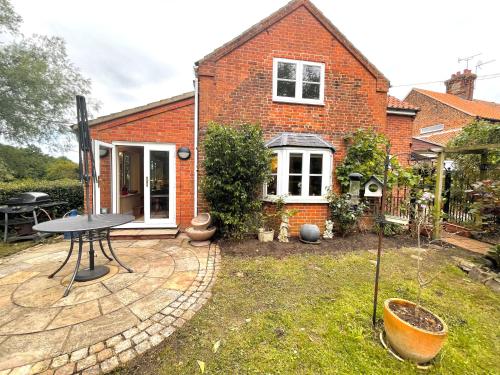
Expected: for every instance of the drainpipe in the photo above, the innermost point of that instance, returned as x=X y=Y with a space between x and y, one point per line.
x=196 y=103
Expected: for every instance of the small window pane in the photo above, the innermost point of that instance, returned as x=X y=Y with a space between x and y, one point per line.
x=286 y=88
x=286 y=70
x=274 y=163
x=315 y=185
x=295 y=163
x=311 y=73
x=316 y=164
x=310 y=90
x=272 y=185
x=295 y=185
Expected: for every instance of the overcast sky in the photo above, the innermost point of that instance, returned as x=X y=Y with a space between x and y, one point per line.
x=136 y=52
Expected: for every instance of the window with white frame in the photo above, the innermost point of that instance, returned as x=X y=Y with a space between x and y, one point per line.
x=301 y=175
x=296 y=81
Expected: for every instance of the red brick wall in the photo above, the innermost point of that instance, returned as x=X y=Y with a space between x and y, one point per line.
x=238 y=88
x=434 y=112
x=171 y=123
x=399 y=130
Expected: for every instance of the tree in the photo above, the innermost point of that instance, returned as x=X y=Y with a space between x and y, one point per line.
x=466 y=166
x=61 y=168
x=38 y=85
x=236 y=163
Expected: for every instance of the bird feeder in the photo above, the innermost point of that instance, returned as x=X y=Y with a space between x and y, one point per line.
x=373 y=187
x=355 y=187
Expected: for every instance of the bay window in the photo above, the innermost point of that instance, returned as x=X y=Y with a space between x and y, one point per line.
x=301 y=175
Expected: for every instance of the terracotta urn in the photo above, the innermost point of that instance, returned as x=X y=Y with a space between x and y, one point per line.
x=410 y=342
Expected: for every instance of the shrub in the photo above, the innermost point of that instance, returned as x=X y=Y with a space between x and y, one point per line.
x=70 y=191
x=366 y=155
x=237 y=163
x=343 y=214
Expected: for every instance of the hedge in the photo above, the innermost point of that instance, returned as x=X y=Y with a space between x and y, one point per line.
x=70 y=191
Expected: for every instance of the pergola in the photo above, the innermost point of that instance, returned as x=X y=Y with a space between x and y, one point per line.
x=439 y=153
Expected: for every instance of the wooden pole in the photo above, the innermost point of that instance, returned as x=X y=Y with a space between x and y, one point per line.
x=381 y=220
x=438 y=192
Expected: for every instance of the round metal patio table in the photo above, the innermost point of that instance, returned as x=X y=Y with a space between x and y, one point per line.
x=96 y=229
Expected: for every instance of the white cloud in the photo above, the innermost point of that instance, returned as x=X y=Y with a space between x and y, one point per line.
x=139 y=52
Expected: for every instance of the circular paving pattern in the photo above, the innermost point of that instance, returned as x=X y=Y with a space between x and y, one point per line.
x=102 y=322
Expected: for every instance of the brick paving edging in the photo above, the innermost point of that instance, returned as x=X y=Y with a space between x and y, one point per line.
x=105 y=356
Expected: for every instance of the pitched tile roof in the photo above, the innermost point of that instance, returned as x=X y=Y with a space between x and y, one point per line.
x=141 y=108
x=478 y=108
x=395 y=103
x=279 y=15
x=439 y=138
x=306 y=140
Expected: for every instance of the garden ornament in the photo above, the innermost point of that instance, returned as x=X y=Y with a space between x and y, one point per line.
x=284 y=228
x=328 y=233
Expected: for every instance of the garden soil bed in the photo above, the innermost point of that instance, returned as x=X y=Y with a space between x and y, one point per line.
x=425 y=319
x=361 y=241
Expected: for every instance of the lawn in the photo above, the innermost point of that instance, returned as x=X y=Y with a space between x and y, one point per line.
x=7 y=249
x=311 y=314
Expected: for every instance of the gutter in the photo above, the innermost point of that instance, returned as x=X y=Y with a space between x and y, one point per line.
x=196 y=104
x=403 y=112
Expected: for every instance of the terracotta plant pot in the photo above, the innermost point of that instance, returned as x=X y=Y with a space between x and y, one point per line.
x=416 y=344
x=266 y=235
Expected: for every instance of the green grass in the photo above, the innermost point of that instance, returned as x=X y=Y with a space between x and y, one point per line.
x=7 y=249
x=310 y=314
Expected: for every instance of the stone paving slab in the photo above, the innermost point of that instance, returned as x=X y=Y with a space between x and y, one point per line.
x=102 y=323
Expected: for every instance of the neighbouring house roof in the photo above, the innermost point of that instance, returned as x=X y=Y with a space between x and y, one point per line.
x=395 y=103
x=304 y=140
x=477 y=108
x=281 y=13
x=142 y=108
x=439 y=138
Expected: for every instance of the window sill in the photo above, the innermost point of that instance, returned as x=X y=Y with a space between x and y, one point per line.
x=311 y=200
x=298 y=101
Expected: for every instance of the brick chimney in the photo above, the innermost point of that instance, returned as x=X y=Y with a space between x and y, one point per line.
x=461 y=84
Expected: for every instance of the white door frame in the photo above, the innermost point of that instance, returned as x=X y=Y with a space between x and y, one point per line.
x=150 y=222
x=171 y=222
x=97 y=188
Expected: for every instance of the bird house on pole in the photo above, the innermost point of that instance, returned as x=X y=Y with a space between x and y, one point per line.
x=373 y=187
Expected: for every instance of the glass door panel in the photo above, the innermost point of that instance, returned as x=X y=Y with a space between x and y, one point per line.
x=159 y=184
x=103 y=188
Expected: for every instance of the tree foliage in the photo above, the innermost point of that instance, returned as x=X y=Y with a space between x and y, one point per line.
x=466 y=166
x=32 y=163
x=38 y=84
x=236 y=165
x=366 y=155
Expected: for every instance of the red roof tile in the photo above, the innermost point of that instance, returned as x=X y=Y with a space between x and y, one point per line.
x=479 y=108
x=395 y=103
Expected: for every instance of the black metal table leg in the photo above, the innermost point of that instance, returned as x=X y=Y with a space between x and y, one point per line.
x=114 y=255
x=67 y=258
x=92 y=272
x=80 y=250
x=102 y=247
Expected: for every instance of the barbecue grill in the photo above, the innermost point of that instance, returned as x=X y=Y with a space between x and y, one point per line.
x=21 y=213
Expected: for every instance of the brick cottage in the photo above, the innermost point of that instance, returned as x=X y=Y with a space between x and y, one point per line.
x=296 y=75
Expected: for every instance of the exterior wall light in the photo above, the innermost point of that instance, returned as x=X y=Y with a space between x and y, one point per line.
x=184 y=153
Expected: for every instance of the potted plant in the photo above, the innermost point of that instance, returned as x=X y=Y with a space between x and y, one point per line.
x=266 y=232
x=413 y=332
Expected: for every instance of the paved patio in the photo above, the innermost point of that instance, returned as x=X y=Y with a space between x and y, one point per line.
x=101 y=323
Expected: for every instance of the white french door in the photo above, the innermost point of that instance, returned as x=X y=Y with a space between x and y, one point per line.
x=104 y=187
x=159 y=185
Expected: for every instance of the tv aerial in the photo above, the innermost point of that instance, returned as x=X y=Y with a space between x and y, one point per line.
x=467 y=59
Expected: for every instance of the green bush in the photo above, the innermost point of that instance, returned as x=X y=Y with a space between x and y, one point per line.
x=237 y=163
x=70 y=191
x=366 y=155
x=343 y=214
